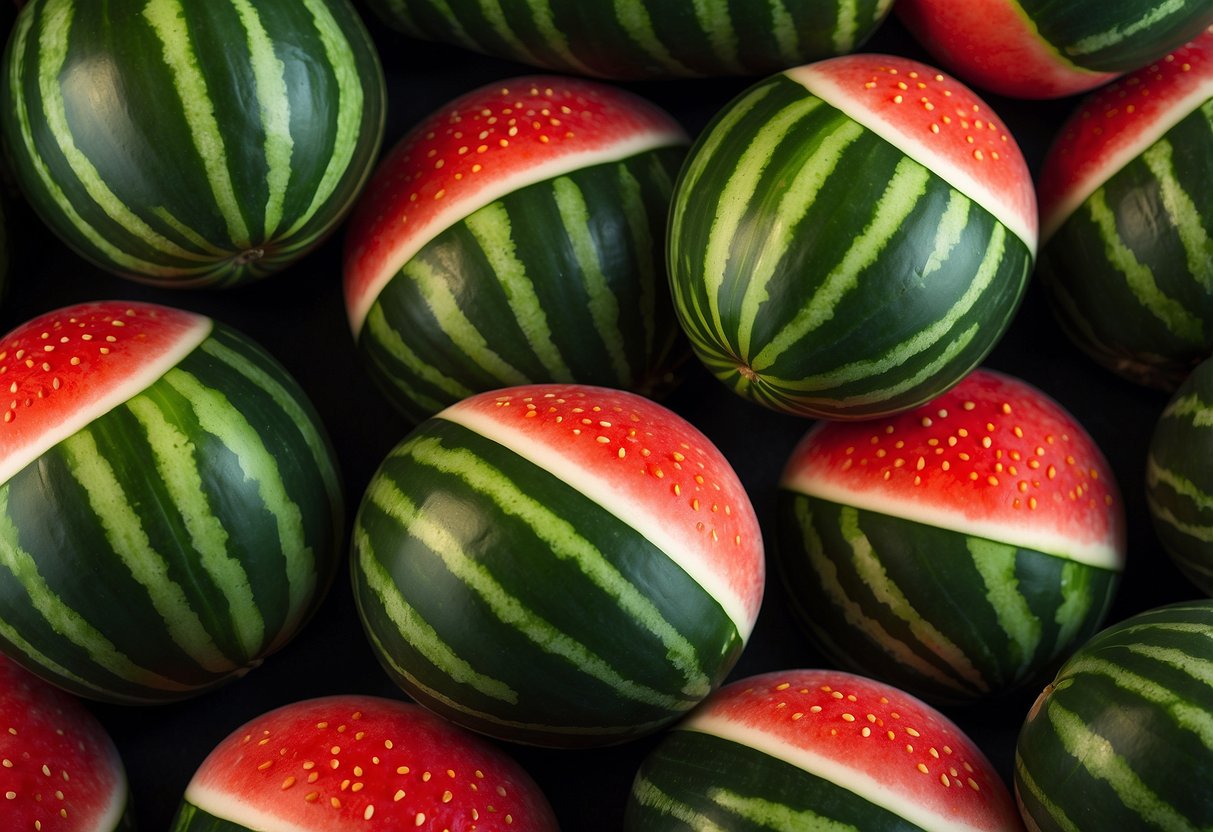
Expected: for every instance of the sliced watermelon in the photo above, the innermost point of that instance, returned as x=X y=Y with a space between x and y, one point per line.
x=956 y=549
x=1115 y=125
x=59 y=769
x=817 y=749
x=850 y=238
x=561 y=565
x=64 y=369
x=937 y=121
x=358 y=762
x=488 y=143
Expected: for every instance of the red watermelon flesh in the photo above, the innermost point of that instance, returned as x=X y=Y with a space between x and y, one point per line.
x=644 y=464
x=480 y=147
x=867 y=737
x=59 y=770
x=1116 y=124
x=65 y=368
x=993 y=45
x=937 y=121
x=993 y=457
x=359 y=762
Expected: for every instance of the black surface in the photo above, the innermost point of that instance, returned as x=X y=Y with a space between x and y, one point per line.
x=299 y=316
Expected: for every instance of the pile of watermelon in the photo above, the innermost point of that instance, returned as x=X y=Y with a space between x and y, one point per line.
x=591 y=415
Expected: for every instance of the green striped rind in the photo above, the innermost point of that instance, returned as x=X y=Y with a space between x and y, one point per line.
x=507 y=601
x=632 y=39
x=695 y=782
x=1117 y=35
x=177 y=540
x=559 y=281
x=1179 y=482
x=1129 y=273
x=946 y=616
x=219 y=142
x=818 y=270
x=1123 y=738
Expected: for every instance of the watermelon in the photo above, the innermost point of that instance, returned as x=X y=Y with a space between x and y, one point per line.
x=1126 y=192
x=515 y=235
x=1179 y=478
x=955 y=550
x=644 y=39
x=1121 y=739
x=59 y=769
x=346 y=762
x=1039 y=49
x=559 y=565
x=849 y=238
x=170 y=509
x=821 y=750
x=191 y=144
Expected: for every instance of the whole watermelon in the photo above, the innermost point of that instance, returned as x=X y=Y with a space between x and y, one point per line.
x=191 y=144
x=170 y=507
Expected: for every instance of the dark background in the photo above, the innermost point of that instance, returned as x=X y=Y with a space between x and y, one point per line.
x=299 y=316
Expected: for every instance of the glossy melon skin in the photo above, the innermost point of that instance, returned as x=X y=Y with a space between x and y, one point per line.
x=809 y=270
x=459 y=318
x=223 y=141
x=178 y=539
x=647 y=39
x=1118 y=739
x=1127 y=275
x=1179 y=477
x=508 y=599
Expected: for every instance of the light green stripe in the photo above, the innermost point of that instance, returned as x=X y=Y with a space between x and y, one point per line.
x=633 y=17
x=1157 y=475
x=289 y=402
x=1182 y=211
x=509 y=610
x=995 y=562
x=738 y=195
x=1156 y=14
x=66 y=622
x=563 y=541
x=771 y=815
x=382 y=333
x=637 y=215
x=553 y=36
x=219 y=417
x=847 y=26
x=351 y=106
x=783 y=29
x=167 y=18
x=1185 y=714
x=1075 y=606
x=207 y=536
x=797 y=201
x=444 y=306
x=648 y=794
x=125 y=535
x=1192 y=408
x=1100 y=759
x=1029 y=785
x=52 y=53
x=412 y=626
x=604 y=306
x=443 y=8
x=494 y=233
x=871 y=571
x=715 y=19
x=494 y=16
x=1162 y=514
x=273 y=100
x=853 y=613
x=46 y=662
x=909 y=183
x=1139 y=278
